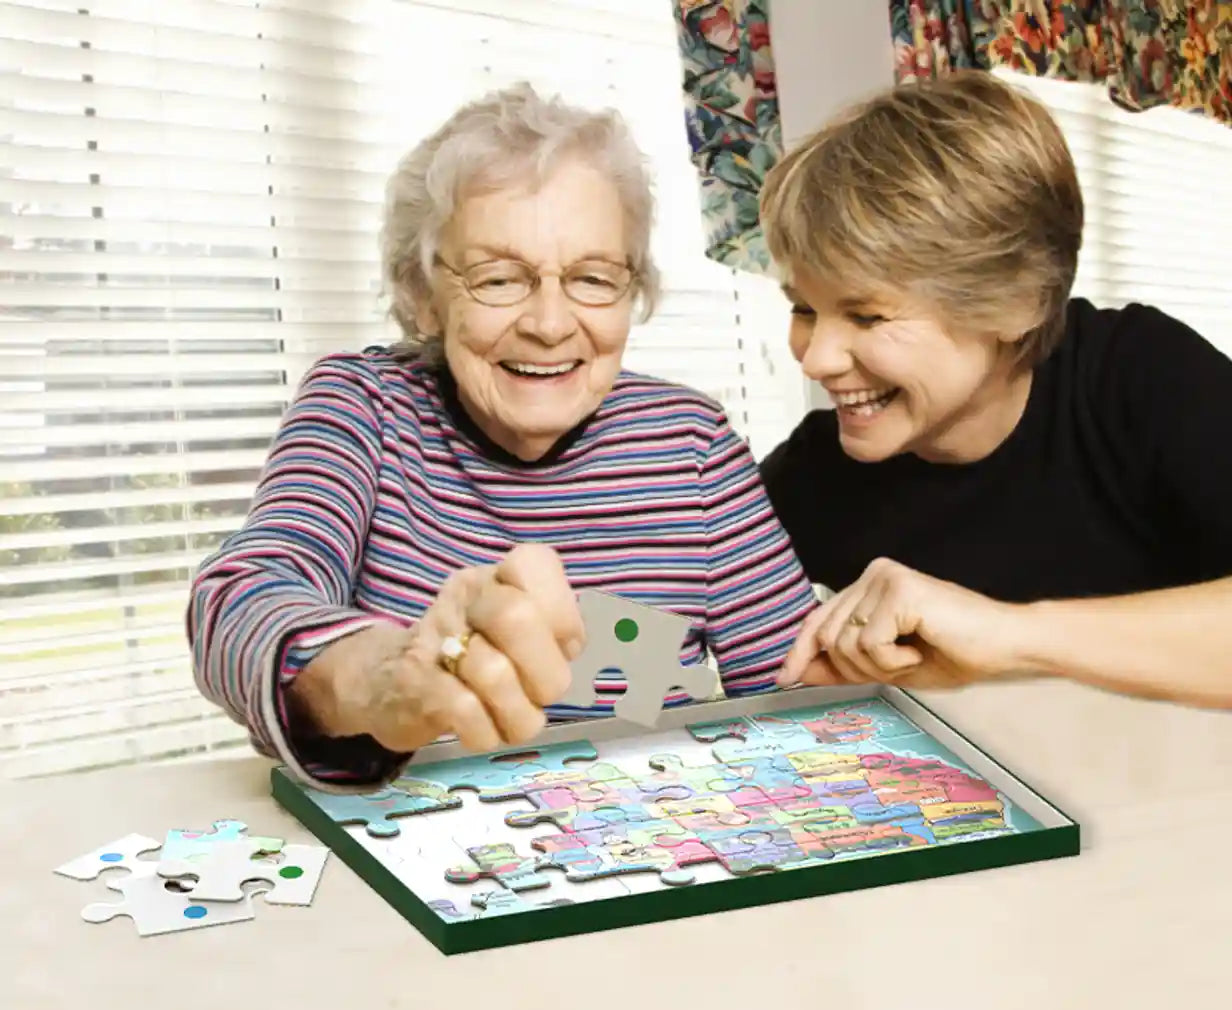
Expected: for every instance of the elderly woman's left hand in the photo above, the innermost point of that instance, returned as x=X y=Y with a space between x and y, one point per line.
x=897 y=624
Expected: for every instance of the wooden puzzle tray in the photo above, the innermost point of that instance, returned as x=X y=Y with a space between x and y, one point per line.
x=602 y=824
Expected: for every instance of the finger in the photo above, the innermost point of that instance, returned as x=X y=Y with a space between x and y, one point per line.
x=854 y=635
x=456 y=709
x=492 y=678
x=838 y=635
x=515 y=626
x=820 y=672
x=804 y=649
x=537 y=570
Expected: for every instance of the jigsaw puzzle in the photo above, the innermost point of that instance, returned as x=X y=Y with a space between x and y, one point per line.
x=196 y=878
x=671 y=811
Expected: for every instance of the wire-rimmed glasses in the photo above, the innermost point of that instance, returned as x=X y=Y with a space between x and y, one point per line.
x=500 y=283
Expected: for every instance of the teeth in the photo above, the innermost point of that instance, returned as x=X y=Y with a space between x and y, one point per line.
x=860 y=396
x=525 y=368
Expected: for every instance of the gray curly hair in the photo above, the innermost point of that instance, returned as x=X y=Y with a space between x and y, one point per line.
x=508 y=137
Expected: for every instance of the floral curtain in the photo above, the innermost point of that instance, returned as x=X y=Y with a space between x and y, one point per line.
x=1148 y=52
x=732 y=116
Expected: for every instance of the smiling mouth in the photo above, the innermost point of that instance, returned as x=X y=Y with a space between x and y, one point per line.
x=865 y=402
x=529 y=370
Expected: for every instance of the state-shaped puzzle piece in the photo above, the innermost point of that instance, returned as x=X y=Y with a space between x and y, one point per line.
x=154 y=909
x=644 y=644
x=123 y=852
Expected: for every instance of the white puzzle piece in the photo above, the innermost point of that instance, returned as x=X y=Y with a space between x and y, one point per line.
x=156 y=910
x=292 y=874
x=294 y=871
x=642 y=642
x=123 y=852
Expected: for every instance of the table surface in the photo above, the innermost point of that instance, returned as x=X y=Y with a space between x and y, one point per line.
x=1141 y=918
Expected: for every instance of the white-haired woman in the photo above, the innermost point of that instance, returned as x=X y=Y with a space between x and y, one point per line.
x=1012 y=481
x=409 y=563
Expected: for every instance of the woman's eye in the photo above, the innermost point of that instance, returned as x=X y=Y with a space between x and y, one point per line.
x=865 y=319
x=802 y=310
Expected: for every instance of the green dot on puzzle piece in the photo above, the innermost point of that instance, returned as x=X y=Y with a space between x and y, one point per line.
x=291 y=872
x=626 y=629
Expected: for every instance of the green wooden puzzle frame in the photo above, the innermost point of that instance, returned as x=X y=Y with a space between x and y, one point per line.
x=1058 y=837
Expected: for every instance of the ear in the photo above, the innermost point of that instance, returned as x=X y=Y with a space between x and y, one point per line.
x=427 y=319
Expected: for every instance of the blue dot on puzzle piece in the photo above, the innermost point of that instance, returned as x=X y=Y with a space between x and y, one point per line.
x=111 y=857
x=196 y=912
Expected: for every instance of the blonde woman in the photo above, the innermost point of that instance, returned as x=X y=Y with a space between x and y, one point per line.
x=1011 y=480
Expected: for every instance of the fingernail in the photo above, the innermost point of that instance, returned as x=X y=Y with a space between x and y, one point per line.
x=786 y=679
x=573 y=649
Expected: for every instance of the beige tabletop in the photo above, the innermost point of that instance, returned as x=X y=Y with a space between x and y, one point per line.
x=1142 y=918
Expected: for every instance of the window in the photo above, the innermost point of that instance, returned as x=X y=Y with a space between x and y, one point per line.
x=1156 y=218
x=189 y=203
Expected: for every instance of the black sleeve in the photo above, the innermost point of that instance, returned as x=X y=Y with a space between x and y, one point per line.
x=1173 y=392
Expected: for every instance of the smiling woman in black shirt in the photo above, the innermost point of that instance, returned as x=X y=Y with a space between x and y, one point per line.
x=1011 y=481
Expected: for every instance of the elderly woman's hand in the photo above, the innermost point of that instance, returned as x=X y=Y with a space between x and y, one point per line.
x=522 y=626
x=898 y=625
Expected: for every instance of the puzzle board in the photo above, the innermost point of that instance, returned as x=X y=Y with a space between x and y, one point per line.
x=727 y=804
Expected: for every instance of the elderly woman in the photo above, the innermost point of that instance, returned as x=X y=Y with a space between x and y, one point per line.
x=426 y=513
x=1011 y=481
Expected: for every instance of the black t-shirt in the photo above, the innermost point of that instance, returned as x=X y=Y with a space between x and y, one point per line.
x=1117 y=478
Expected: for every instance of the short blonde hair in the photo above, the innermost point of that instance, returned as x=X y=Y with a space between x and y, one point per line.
x=960 y=190
x=511 y=137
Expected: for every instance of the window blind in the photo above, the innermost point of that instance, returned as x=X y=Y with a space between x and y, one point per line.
x=1157 y=221
x=189 y=203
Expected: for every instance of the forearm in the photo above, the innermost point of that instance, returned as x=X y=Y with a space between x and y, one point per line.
x=1173 y=644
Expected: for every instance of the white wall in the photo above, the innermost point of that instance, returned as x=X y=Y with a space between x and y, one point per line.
x=827 y=55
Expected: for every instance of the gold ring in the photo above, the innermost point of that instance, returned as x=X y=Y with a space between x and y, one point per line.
x=858 y=620
x=452 y=652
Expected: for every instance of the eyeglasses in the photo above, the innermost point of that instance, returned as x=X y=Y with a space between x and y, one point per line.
x=501 y=283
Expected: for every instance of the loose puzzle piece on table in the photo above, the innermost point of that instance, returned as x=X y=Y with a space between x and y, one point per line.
x=644 y=644
x=155 y=910
x=123 y=853
x=218 y=875
x=183 y=843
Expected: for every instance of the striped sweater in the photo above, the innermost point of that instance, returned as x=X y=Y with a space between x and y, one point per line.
x=378 y=486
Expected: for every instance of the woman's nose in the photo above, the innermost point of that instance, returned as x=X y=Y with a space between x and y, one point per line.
x=549 y=314
x=827 y=353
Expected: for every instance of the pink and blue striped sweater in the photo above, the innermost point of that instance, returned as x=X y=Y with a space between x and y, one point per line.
x=378 y=486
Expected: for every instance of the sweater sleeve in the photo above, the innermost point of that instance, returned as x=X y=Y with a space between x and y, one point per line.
x=757 y=593
x=279 y=589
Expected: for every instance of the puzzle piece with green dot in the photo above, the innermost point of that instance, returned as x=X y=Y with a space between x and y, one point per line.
x=644 y=644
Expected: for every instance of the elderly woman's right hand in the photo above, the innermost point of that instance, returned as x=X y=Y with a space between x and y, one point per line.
x=524 y=627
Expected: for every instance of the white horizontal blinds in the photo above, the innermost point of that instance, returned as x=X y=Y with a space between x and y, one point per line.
x=1157 y=223
x=189 y=202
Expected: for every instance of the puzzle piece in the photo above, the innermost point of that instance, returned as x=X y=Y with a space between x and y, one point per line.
x=220 y=872
x=501 y=775
x=294 y=871
x=376 y=810
x=644 y=644
x=507 y=902
x=123 y=852
x=154 y=909
x=181 y=843
x=501 y=863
